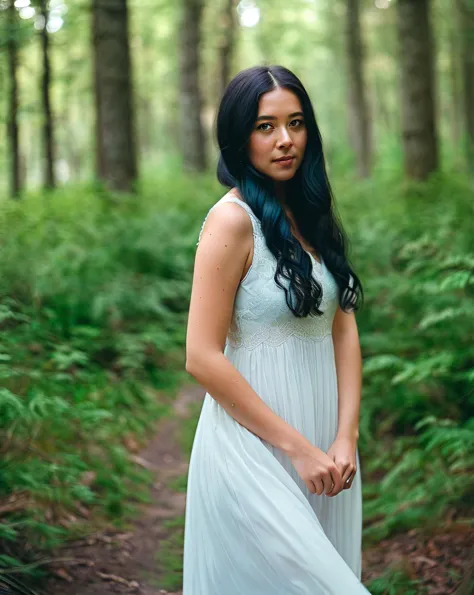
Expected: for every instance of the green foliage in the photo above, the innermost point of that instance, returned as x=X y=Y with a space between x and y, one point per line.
x=188 y=428
x=170 y=554
x=415 y=251
x=179 y=484
x=93 y=301
x=395 y=581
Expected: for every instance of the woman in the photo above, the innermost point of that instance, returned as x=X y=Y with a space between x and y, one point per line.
x=274 y=494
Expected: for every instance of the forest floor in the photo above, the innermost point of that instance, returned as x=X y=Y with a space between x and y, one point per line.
x=146 y=559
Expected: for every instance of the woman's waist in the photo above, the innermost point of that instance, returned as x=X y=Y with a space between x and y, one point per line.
x=251 y=335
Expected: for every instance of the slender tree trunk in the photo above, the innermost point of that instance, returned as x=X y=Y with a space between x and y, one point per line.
x=48 y=141
x=454 y=75
x=380 y=102
x=416 y=51
x=15 y=185
x=100 y=169
x=359 y=117
x=466 y=14
x=64 y=124
x=145 y=100
x=115 y=142
x=193 y=141
x=226 y=45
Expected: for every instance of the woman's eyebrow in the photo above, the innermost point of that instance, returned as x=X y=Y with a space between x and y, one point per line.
x=293 y=115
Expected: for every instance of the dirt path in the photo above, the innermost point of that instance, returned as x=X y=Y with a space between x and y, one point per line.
x=115 y=562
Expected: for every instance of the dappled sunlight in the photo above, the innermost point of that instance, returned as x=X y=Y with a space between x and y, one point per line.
x=249 y=13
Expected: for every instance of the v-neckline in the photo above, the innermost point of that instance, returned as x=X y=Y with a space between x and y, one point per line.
x=319 y=262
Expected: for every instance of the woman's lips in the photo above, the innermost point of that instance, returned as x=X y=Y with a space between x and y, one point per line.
x=286 y=161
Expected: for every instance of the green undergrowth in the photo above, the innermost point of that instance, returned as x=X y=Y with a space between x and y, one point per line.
x=94 y=293
x=169 y=556
x=179 y=484
x=188 y=427
x=395 y=581
x=413 y=247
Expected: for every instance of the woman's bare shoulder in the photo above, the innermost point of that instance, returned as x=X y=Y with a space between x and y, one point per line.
x=228 y=219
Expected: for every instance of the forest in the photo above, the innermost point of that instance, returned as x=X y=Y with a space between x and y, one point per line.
x=108 y=164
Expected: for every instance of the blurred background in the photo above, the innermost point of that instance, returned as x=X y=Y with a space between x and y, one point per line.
x=107 y=169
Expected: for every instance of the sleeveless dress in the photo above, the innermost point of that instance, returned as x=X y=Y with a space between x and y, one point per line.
x=252 y=527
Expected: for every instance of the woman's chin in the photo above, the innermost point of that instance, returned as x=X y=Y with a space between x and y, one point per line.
x=283 y=176
x=277 y=176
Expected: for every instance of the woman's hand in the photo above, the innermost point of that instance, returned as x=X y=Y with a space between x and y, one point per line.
x=317 y=470
x=343 y=453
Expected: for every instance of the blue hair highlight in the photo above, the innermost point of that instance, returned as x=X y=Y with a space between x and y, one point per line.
x=309 y=194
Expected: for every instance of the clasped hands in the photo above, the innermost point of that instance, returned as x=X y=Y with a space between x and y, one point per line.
x=343 y=452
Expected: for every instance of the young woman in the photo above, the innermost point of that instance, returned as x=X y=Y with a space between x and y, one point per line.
x=274 y=494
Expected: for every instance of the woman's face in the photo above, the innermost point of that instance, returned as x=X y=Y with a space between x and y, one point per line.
x=279 y=131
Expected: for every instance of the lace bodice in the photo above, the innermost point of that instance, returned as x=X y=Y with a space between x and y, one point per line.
x=260 y=313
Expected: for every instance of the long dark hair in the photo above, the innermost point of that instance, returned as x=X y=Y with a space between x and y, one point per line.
x=308 y=193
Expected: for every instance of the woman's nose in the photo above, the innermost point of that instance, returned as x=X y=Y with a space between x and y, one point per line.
x=285 y=139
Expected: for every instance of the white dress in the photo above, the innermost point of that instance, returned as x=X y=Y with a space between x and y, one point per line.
x=252 y=527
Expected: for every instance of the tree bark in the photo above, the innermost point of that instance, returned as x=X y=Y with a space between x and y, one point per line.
x=455 y=81
x=226 y=45
x=48 y=139
x=360 y=129
x=116 y=162
x=193 y=141
x=380 y=103
x=100 y=170
x=15 y=185
x=419 y=131
x=466 y=15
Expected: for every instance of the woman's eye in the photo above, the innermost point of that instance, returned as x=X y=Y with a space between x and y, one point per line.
x=299 y=124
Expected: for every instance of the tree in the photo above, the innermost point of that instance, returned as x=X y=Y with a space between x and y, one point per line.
x=360 y=132
x=193 y=141
x=115 y=143
x=466 y=17
x=15 y=186
x=419 y=131
x=226 y=44
x=48 y=138
x=455 y=81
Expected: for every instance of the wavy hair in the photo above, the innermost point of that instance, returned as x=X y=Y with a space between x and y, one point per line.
x=308 y=193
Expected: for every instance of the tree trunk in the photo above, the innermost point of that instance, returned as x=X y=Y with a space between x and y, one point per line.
x=466 y=14
x=360 y=132
x=419 y=131
x=226 y=45
x=100 y=170
x=115 y=143
x=65 y=122
x=193 y=141
x=15 y=185
x=48 y=143
x=454 y=76
x=380 y=103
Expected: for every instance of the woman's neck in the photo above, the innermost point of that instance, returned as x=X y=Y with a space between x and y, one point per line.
x=280 y=192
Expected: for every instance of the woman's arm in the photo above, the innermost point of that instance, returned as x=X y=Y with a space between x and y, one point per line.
x=220 y=260
x=349 y=373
